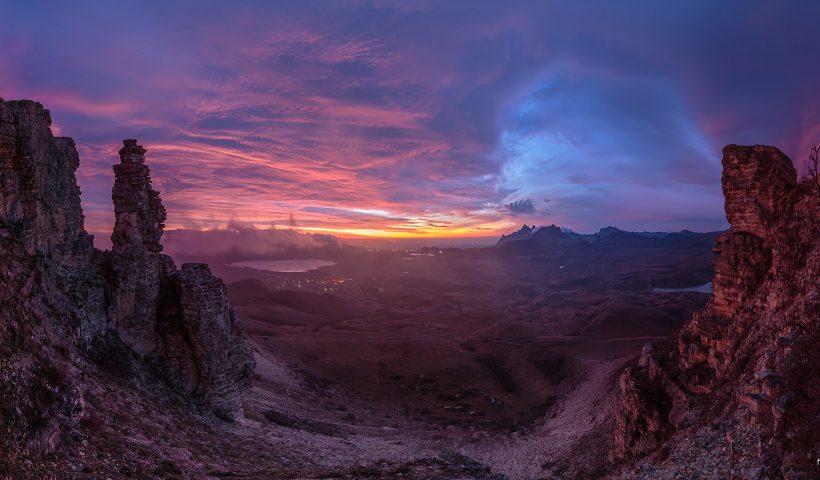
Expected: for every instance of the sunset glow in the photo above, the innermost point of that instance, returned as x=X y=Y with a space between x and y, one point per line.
x=415 y=239
x=384 y=119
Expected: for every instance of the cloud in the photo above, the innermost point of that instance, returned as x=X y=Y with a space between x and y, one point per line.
x=356 y=213
x=246 y=242
x=521 y=207
x=426 y=111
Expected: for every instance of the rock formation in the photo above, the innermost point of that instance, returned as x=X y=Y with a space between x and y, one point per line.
x=39 y=196
x=523 y=234
x=181 y=320
x=137 y=207
x=139 y=269
x=205 y=344
x=747 y=365
x=67 y=308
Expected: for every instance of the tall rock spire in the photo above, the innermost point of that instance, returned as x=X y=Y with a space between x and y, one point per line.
x=180 y=319
x=137 y=207
x=61 y=298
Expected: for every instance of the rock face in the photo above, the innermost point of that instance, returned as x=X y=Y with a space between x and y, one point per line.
x=139 y=270
x=65 y=306
x=180 y=320
x=745 y=361
x=756 y=181
x=207 y=347
x=137 y=208
x=39 y=196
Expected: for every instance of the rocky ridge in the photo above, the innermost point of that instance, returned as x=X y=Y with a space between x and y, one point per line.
x=68 y=309
x=736 y=396
x=538 y=240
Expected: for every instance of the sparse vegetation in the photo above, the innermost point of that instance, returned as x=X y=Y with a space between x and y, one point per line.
x=289 y=421
x=813 y=165
x=813 y=168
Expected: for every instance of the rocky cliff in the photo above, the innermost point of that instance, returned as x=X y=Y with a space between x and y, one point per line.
x=39 y=197
x=67 y=308
x=737 y=394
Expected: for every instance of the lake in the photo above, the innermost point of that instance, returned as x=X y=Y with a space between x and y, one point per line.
x=705 y=288
x=286 y=266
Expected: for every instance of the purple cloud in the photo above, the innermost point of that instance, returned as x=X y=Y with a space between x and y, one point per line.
x=425 y=111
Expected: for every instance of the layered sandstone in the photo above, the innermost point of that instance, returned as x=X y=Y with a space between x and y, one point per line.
x=745 y=361
x=180 y=320
x=68 y=310
x=213 y=358
x=139 y=269
x=138 y=211
x=39 y=196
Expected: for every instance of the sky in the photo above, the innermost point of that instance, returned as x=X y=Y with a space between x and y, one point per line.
x=407 y=119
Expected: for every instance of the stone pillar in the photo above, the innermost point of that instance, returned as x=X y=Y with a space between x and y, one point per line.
x=137 y=263
x=138 y=209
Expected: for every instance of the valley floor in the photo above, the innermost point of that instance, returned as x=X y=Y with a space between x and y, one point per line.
x=389 y=358
x=386 y=365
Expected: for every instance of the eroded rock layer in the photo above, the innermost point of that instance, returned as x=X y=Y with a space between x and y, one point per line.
x=747 y=365
x=39 y=196
x=180 y=320
x=66 y=307
x=216 y=371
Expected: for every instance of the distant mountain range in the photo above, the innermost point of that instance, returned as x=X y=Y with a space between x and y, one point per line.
x=554 y=239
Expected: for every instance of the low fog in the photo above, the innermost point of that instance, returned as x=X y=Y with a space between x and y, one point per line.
x=244 y=242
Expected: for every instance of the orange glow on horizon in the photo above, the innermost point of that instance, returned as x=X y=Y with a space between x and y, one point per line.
x=466 y=232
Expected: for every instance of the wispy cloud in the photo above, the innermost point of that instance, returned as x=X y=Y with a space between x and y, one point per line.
x=388 y=118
